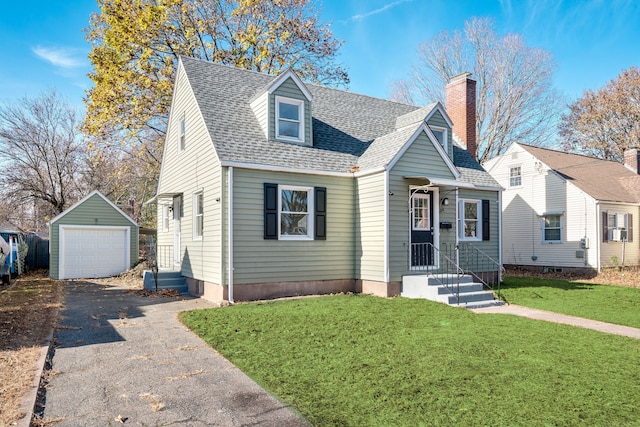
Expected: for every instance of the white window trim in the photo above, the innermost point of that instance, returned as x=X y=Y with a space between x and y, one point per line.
x=310 y=213
x=509 y=176
x=164 y=225
x=182 y=134
x=301 y=118
x=543 y=228
x=445 y=136
x=195 y=215
x=461 y=235
x=619 y=217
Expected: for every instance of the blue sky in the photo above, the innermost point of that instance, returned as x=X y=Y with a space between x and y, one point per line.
x=43 y=42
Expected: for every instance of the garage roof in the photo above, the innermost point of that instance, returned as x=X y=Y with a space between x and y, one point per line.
x=78 y=203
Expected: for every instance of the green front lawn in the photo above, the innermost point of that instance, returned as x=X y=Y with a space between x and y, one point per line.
x=359 y=360
x=612 y=304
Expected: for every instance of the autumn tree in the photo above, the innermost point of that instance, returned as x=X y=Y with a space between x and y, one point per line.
x=135 y=46
x=516 y=101
x=603 y=123
x=41 y=153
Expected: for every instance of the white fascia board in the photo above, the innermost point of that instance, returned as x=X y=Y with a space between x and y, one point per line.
x=81 y=201
x=255 y=166
x=283 y=78
x=173 y=100
x=425 y=128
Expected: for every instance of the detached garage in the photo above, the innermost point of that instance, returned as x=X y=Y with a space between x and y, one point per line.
x=93 y=238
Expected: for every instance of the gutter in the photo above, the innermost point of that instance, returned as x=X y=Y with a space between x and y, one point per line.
x=230 y=234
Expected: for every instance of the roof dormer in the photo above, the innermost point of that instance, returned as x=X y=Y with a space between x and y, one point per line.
x=283 y=110
x=436 y=118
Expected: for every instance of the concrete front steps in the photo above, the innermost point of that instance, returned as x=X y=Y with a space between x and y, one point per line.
x=472 y=294
x=166 y=280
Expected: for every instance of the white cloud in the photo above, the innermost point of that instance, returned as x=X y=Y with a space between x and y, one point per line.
x=60 y=57
x=361 y=16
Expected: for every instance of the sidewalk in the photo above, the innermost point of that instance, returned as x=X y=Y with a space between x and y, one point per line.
x=548 y=316
x=121 y=358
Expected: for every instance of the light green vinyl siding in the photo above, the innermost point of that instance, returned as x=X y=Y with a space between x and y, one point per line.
x=369 y=245
x=257 y=260
x=195 y=168
x=490 y=247
x=420 y=159
x=93 y=211
x=289 y=89
x=437 y=120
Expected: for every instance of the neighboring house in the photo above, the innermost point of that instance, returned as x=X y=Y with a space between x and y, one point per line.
x=564 y=210
x=272 y=187
x=93 y=238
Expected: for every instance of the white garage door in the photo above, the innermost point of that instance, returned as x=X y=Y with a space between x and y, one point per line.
x=89 y=252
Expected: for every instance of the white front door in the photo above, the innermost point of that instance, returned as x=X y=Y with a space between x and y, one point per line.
x=177 y=209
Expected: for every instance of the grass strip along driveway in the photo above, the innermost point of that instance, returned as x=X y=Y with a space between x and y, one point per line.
x=612 y=304
x=361 y=360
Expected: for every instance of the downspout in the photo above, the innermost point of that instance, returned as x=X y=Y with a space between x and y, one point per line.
x=598 y=241
x=500 y=236
x=458 y=225
x=386 y=227
x=230 y=232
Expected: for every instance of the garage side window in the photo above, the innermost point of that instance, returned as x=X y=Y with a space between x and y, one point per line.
x=198 y=215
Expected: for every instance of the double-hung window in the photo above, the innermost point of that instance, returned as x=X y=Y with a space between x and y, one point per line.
x=289 y=119
x=515 y=176
x=470 y=216
x=294 y=212
x=552 y=228
x=198 y=215
x=296 y=205
x=617 y=227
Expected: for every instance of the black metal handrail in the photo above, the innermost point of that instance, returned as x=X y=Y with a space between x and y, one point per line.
x=440 y=267
x=474 y=261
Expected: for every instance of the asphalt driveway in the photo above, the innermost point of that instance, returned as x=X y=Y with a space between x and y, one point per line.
x=126 y=359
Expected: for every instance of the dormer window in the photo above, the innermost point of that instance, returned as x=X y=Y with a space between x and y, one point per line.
x=441 y=135
x=289 y=119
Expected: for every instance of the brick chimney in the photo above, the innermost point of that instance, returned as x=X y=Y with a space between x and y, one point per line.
x=632 y=159
x=461 y=108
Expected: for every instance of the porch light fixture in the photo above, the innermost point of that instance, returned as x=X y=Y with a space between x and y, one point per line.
x=445 y=201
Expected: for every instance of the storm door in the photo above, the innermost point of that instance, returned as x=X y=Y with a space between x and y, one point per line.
x=421 y=229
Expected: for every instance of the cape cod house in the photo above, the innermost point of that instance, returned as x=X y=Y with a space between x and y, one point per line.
x=273 y=187
x=568 y=211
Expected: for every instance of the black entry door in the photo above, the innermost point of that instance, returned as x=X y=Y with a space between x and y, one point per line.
x=421 y=229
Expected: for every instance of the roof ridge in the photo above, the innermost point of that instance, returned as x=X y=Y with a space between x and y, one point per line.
x=274 y=76
x=568 y=153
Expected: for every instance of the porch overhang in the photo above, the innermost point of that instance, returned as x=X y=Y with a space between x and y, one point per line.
x=433 y=182
x=157 y=196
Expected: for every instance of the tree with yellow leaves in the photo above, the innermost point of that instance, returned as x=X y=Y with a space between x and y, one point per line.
x=135 y=46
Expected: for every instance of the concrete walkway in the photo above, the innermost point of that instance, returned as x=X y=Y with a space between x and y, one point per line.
x=548 y=316
x=121 y=358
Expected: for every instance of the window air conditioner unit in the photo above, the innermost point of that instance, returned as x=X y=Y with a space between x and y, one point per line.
x=618 y=235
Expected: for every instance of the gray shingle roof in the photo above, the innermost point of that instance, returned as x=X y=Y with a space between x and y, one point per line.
x=348 y=129
x=604 y=180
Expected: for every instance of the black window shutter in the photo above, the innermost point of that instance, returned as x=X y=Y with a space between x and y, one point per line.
x=486 y=225
x=630 y=230
x=605 y=226
x=320 y=207
x=271 y=211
